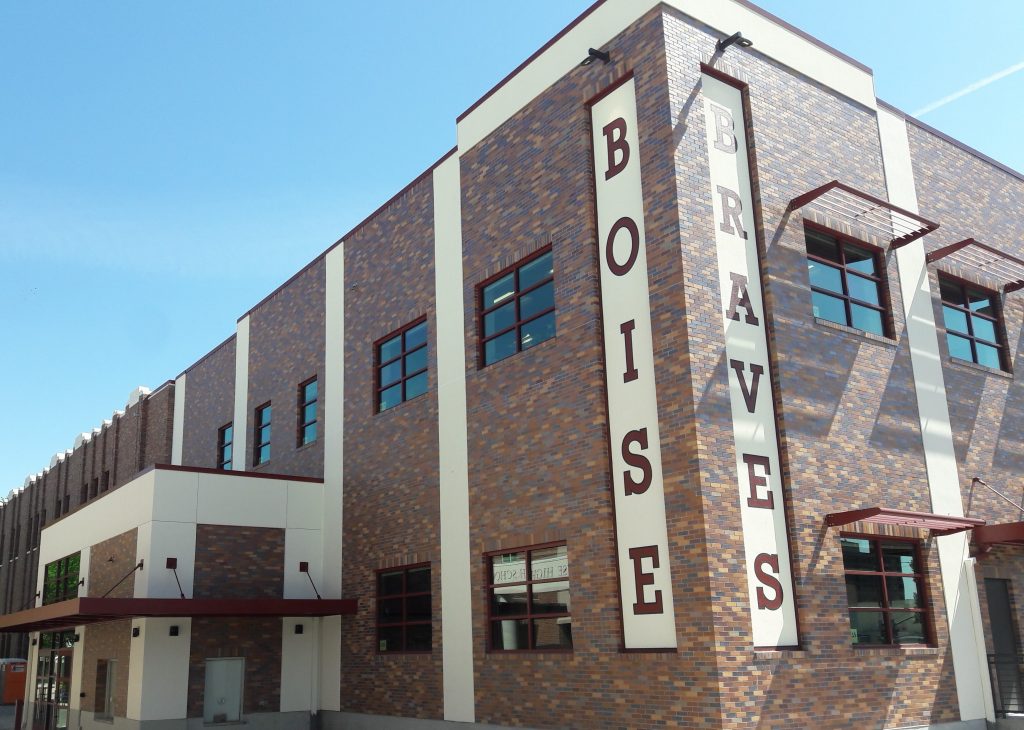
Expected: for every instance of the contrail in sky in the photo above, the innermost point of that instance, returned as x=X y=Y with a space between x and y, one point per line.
x=969 y=89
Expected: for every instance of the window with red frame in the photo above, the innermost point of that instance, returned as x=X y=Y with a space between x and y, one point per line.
x=517 y=308
x=847 y=282
x=404 y=618
x=528 y=604
x=973 y=324
x=885 y=590
x=402 y=365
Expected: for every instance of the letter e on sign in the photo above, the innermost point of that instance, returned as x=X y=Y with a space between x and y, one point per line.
x=643 y=579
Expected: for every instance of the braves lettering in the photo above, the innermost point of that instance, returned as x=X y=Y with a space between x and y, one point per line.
x=643 y=579
x=740 y=298
x=757 y=480
x=725 y=140
x=732 y=212
x=769 y=580
x=749 y=392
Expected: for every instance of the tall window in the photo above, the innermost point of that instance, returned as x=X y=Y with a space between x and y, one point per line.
x=307 y=412
x=528 y=602
x=60 y=579
x=261 y=445
x=846 y=282
x=402 y=365
x=403 y=609
x=517 y=308
x=225 y=437
x=105 y=680
x=885 y=591
x=973 y=324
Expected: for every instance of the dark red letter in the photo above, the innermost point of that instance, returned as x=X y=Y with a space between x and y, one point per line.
x=732 y=209
x=626 y=328
x=725 y=140
x=756 y=480
x=749 y=394
x=772 y=561
x=616 y=145
x=643 y=579
x=740 y=298
x=634 y=246
x=637 y=461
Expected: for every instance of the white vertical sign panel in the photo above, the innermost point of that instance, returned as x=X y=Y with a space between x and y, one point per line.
x=645 y=582
x=762 y=507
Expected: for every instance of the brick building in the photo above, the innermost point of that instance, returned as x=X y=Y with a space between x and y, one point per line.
x=680 y=393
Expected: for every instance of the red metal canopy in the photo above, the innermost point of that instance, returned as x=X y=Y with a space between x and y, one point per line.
x=971 y=254
x=82 y=611
x=1011 y=533
x=938 y=524
x=856 y=208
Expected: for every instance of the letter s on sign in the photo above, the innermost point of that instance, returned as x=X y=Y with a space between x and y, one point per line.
x=769 y=580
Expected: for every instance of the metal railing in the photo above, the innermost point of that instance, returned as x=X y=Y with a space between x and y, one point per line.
x=1006 y=672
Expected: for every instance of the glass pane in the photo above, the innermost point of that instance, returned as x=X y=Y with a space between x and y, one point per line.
x=904 y=593
x=988 y=356
x=391 y=373
x=418 y=638
x=959 y=347
x=826 y=307
x=955 y=319
x=899 y=557
x=869 y=320
x=390 y=584
x=264 y=454
x=228 y=434
x=859 y=259
x=824 y=276
x=417 y=580
x=537 y=301
x=822 y=246
x=510 y=634
x=500 y=347
x=415 y=361
x=389 y=638
x=981 y=302
x=416 y=336
x=416 y=385
x=309 y=434
x=417 y=608
x=864 y=289
x=265 y=414
x=551 y=597
x=984 y=329
x=867 y=627
x=309 y=392
x=390 y=397
x=263 y=434
x=908 y=628
x=538 y=331
x=226 y=454
x=550 y=562
x=508 y=568
x=951 y=292
x=510 y=601
x=536 y=271
x=864 y=591
x=391 y=349
x=309 y=413
x=500 y=319
x=498 y=292
x=389 y=611
x=552 y=633
x=858 y=554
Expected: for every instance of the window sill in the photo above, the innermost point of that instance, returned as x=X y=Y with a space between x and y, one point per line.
x=527 y=652
x=905 y=650
x=968 y=365
x=397 y=406
x=306 y=447
x=867 y=336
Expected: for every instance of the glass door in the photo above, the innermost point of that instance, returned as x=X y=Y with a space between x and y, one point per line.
x=53 y=681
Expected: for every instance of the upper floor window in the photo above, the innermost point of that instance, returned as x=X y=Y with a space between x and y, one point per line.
x=846 y=282
x=528 y=602
x=404 y=609
x=973 y=323
x=885 y=591
x=517 y=308
x=402 y=365
x=307 y=412
x=261 y=442
x=225 y=437
x=60 y=579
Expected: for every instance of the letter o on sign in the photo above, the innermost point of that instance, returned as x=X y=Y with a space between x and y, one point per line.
x=634 y=246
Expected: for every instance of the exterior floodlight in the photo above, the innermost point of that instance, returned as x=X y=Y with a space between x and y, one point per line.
x=736 y=38
x=594 y=53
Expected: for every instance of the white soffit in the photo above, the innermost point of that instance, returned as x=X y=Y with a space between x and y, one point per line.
x=610 y=18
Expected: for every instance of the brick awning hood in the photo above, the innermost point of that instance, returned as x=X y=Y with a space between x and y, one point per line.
x=83 y=611
x=938 y=524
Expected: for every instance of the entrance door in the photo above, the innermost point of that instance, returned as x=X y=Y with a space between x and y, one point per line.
x=1005 y=662
x=53 y=682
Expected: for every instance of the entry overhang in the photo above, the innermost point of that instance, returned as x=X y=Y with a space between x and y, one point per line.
x=855 y=208
x=83 y=611
x=938 y=524
x=1010 y=533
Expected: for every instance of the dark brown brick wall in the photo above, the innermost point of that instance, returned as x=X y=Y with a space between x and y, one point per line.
x=286 y=347
x=391 y=469
x=109 y=562
x=209 y=404
x=239 y=562
x=106 y=641
x=258 y=640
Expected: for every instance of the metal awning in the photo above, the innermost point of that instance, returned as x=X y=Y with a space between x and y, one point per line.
x=938 y=524
x=844 y=204
x=83 y=611
x=1010 y=533
x=997 y=265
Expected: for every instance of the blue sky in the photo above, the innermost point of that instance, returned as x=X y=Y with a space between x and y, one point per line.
x=163 y=166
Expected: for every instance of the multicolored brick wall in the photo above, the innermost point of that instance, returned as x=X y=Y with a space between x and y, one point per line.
x=105 y=642
x=111 y=561
x=239 y=562
x=209 y=405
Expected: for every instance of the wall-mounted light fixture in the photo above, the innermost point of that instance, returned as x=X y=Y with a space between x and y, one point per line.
x=135 y=632
x=298 y=628
x=592 y=54
x=173 y=631
x=736 y=38
x=304 y=568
